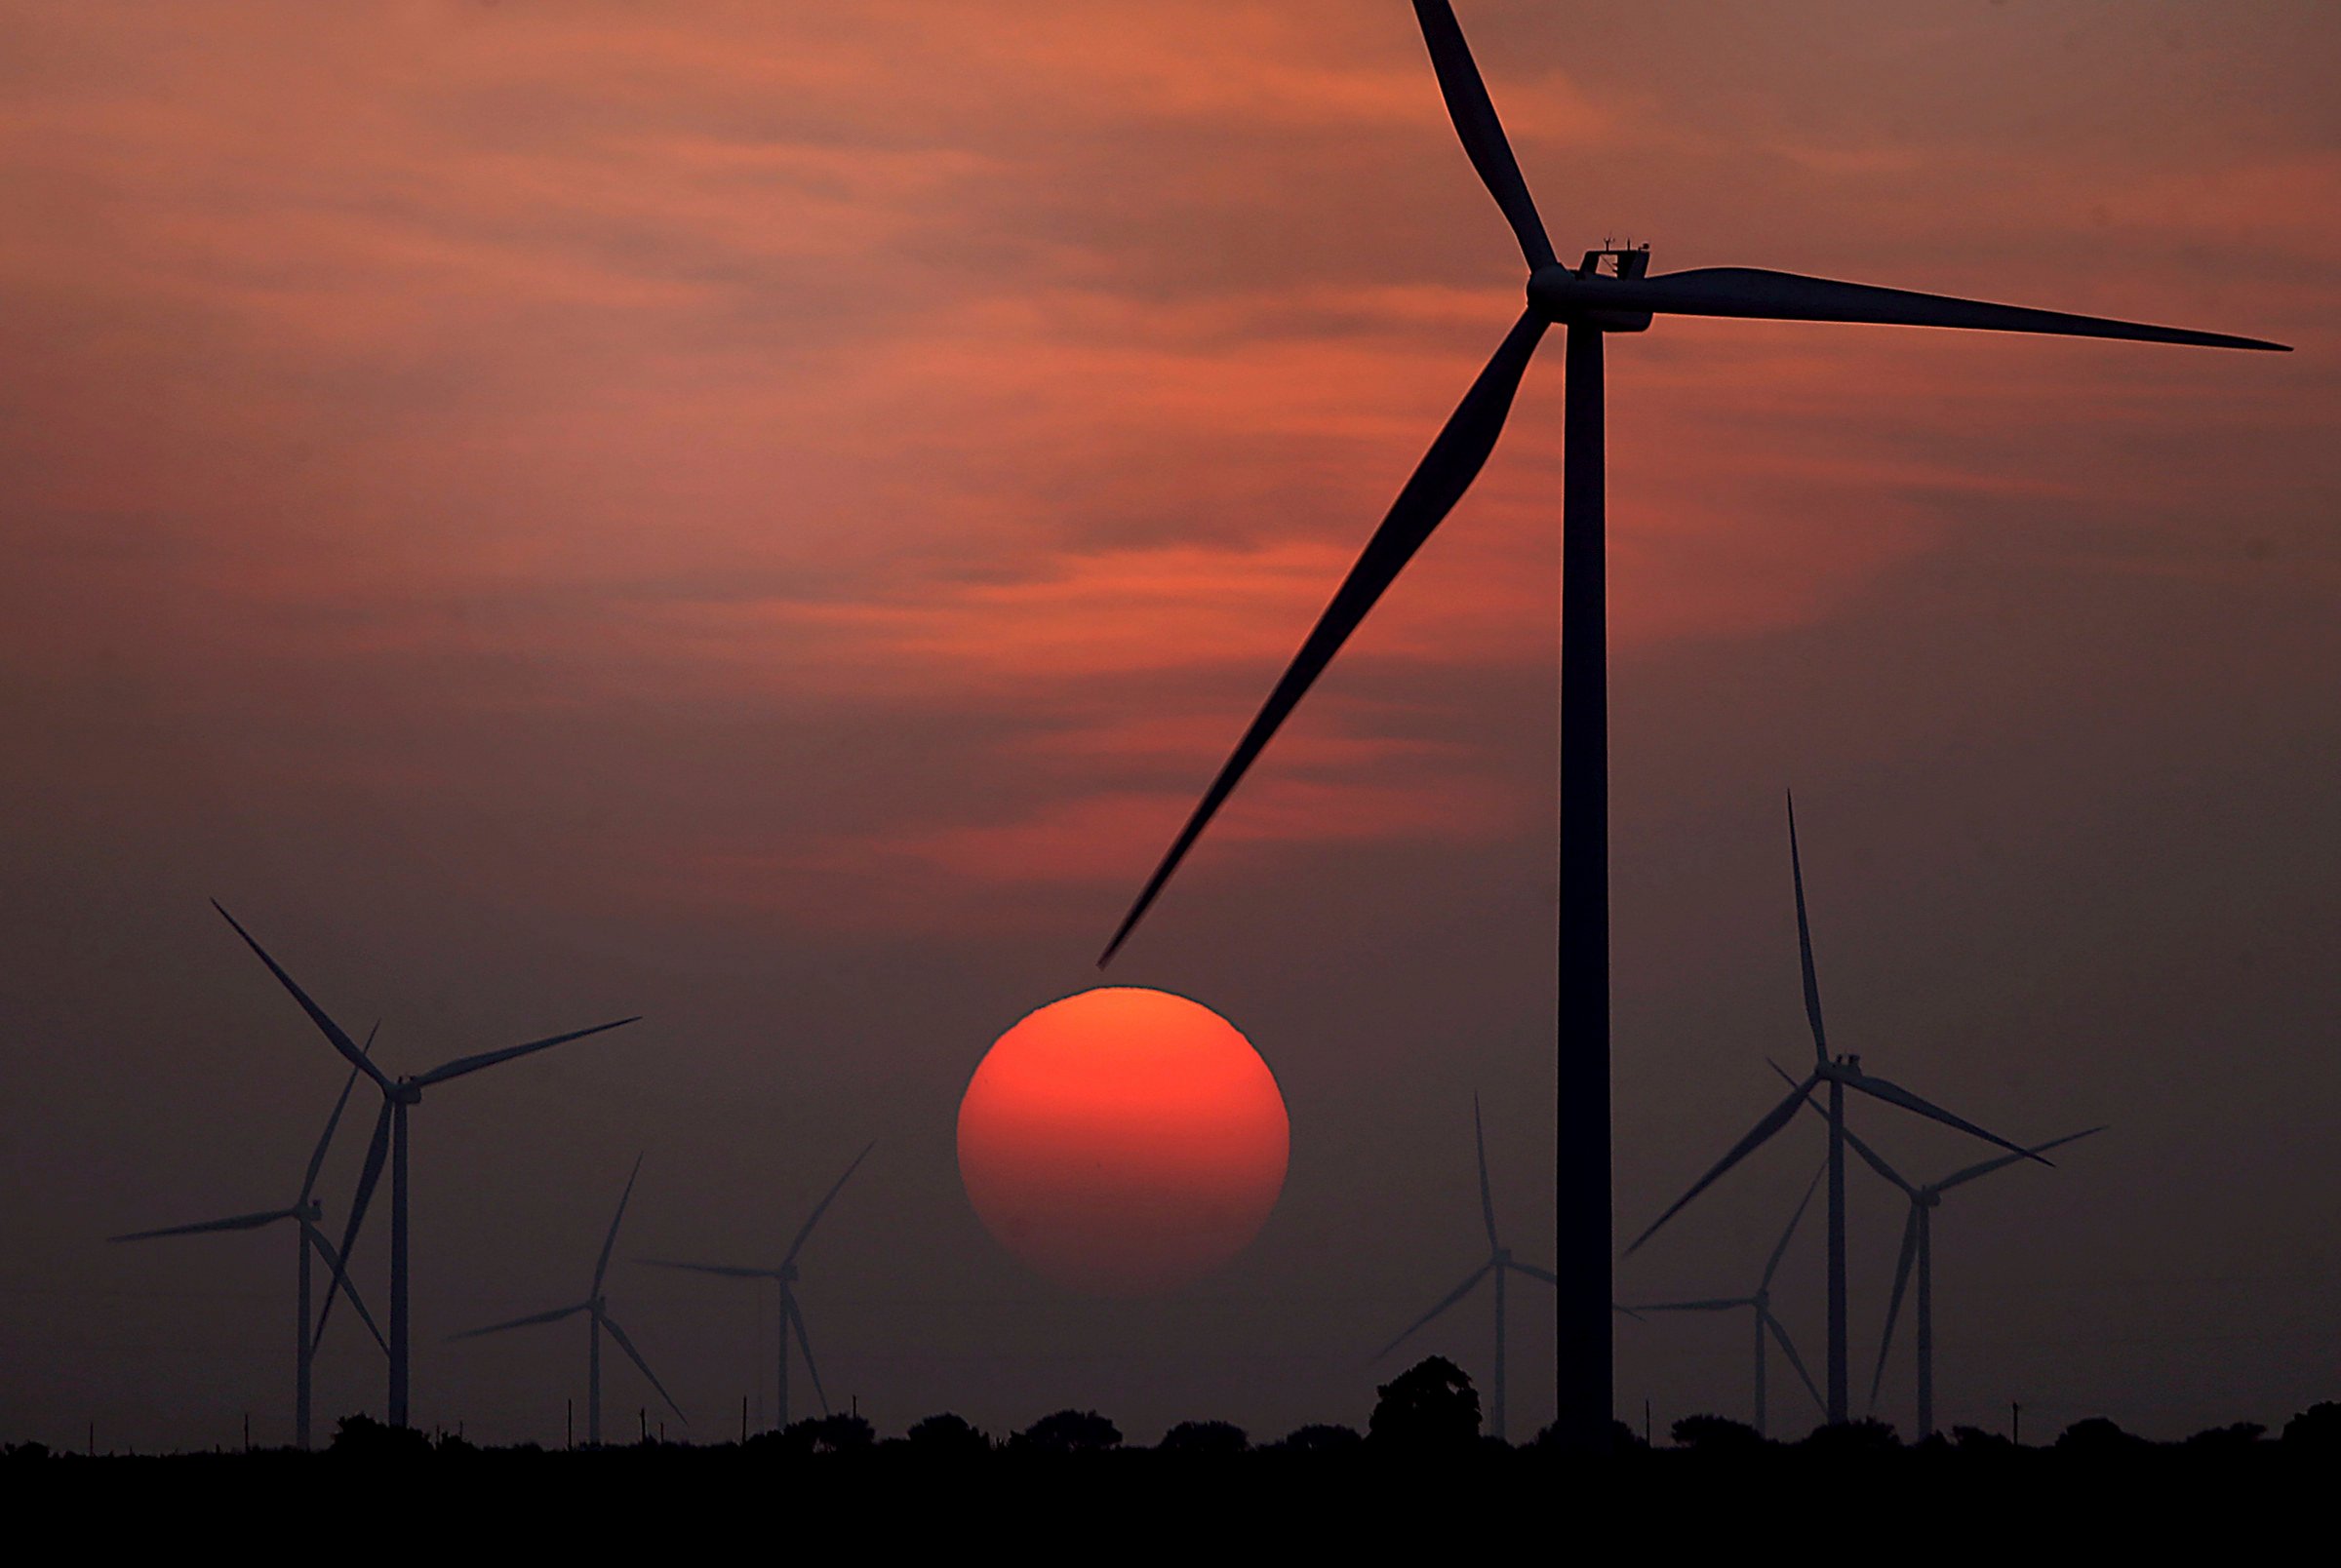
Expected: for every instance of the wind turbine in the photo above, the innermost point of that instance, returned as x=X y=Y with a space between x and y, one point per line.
x=1588 y=303
x=786 y=1275
x=597 y=1310
x=305 y=1214
x=390 y=1141
x=1918 y=1247
x=1761 y=1303
x=1500 y=1263
x=1841 y=1073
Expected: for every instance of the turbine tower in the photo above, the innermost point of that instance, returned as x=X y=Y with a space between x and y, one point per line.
x=596 y=1307
x=786 y=1275
x=1500 y=1263
x=1918 y=1248
x=1588 y=303
x=1840 y=1073
x=305 y=1214
x=399 y=1095
x=1761 y=1303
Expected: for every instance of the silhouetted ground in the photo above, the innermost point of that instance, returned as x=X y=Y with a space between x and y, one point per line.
x=1068 y=1485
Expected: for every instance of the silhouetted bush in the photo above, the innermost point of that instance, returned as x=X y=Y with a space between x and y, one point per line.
x=1069 y=1431
x=1431 y=1406
x=2241 y=1435
x=828 y=1434
x=948 y=1436
x=1850 y=1439
x=1318 y=1439
x=24 y=1453
x=363 y=1438
x=1217 y=1438
x=2097 y=1437
x=1714 y=1435
x=2317 y=1428
x=1975 y=1440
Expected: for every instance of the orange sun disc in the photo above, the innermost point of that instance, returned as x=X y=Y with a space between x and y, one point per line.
x=1122 y=1142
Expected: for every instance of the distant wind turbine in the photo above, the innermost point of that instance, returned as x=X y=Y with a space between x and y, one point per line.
x=1761 y=1303
x=390 y=1142
x=305 y=1214
x=1841 y=1074
x=1917 y=1249
x=1589 y=302
x=1500 y=1263
x=786 y=1275
x=596 y=1307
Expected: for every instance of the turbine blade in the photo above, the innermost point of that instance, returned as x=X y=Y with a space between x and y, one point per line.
x=1545 y=1275
x=1759 y=295
x=1774 y=1120
x=1959 y=1178
x=1894 y=1305
x=346 y=1285
x=1788 y=1347
x=1895 y=1094
x=601 y=1265
x=634 y=1355
x=237 y=1222
x=1772 y=1264
x=333 y=1031
x=1717 y=1305
x=1812 y=984
x=309 y=1183
x=725 y=1270
x=375 y=1153
x=1438 y=483
x=828 y=1198
x=1487 y=1199
x=472 y=1064
x=1483 y=134
x=1453 y=1296
x=531 y=1320
x=796 y=1319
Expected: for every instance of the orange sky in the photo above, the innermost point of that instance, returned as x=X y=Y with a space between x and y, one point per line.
x=751 y=513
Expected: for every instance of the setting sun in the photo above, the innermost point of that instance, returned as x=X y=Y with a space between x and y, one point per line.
x=1122 y=1141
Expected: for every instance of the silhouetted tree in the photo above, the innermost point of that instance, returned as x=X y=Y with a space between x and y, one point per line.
x=25 y=1452
x=1069 y=1431
x=2097 y=1437
x=1318 y=1439
x=2316 y=1430
x=1430 y=1406
x=1714 y=1434
x=1851 y=1439
x=1205 y=1437
x=948 y=1436
x=362 y=1437
x=2236 y=1435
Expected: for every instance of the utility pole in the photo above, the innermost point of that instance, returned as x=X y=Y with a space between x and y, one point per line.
x=2015 y=1421
x=569 y=1424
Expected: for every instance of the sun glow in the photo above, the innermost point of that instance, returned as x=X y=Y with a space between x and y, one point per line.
x=1122 y=1142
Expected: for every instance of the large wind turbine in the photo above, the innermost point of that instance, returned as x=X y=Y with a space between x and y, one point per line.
x=305 y=1214
x=390 y=1141
x=786 y=1275
x=1918 y=1248
x=1760 y=1304
x=1588 y=303
x=1840 y=1073
x=1500 y=1263
x=597 y=1309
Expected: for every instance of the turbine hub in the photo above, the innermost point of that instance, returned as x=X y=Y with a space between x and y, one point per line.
x=788 y=1274
x=1585 y=297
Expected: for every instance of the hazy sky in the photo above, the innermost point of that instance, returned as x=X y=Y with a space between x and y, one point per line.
x=766 y=517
